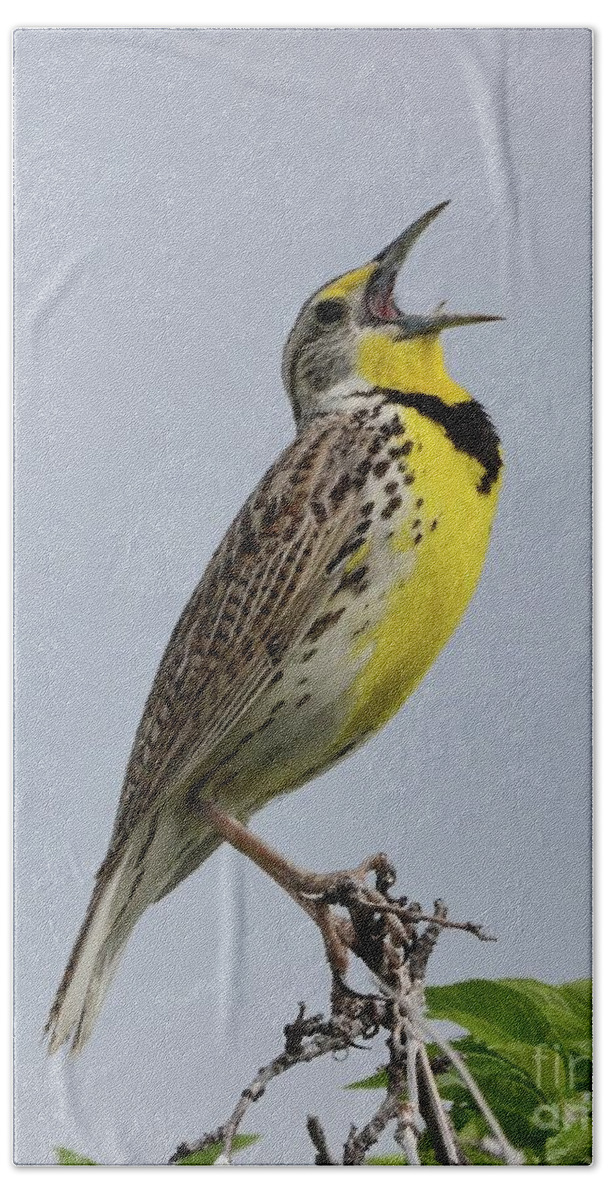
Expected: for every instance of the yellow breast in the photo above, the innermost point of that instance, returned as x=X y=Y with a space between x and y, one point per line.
x=447 y=528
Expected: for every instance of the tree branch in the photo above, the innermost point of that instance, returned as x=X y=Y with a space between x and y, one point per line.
x=361 y=919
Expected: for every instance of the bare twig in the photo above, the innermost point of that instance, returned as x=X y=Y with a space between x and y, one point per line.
x=407 y=1134
x=319 y=1141
x=306 y=1038
x=383 y=933
x=447 y=1150
x=440 y=922
x=358 y=1143
x=511 y=1156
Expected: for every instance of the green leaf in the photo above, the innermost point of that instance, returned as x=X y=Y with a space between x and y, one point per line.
x=517 y=1010
x=425 y=1152
x=203 y=1158
x=528 y=1047
x=572 y=1146
x=478 y=1157
x=578 y=992
x=391 y=1160
x=379 y=1080
x=492 y=1011
x=510 y=1092
x=207 y=1157
x=567 y=1009
x=554 y=1071
x=68 y=1158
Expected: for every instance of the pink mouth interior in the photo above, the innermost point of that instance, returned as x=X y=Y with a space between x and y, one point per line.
x=382 y=306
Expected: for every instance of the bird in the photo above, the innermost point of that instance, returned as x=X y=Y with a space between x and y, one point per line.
x=332 y=592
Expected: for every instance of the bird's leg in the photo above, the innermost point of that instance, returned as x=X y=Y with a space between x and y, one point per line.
x=307 y=886
x=313 y=891
x=284 y=872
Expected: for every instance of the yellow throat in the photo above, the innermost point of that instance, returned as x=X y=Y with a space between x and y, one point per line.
x=411 y=365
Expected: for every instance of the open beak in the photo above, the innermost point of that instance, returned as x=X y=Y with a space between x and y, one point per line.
x=379 y=300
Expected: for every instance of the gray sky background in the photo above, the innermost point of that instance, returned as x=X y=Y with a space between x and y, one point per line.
x=178 y=195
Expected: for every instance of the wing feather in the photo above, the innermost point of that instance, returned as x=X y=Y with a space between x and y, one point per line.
x=265 y=582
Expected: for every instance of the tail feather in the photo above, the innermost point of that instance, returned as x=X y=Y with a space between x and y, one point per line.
x=93 y=961
x=146 y=868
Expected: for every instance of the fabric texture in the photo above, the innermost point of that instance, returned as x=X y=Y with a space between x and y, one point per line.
x=179 y=195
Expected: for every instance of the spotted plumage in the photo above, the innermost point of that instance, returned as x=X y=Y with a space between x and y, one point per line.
x=327 y=600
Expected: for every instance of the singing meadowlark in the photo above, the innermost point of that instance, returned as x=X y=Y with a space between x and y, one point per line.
x=331 y=594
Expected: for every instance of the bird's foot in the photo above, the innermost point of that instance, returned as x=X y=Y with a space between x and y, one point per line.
x=367 y=904
x=333 y=887
x=368 y=911
x=320 y=893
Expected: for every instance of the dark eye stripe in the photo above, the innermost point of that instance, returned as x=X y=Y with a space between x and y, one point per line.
x=328 y=311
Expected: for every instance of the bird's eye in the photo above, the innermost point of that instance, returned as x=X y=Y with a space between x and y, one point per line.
x=328 y=311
